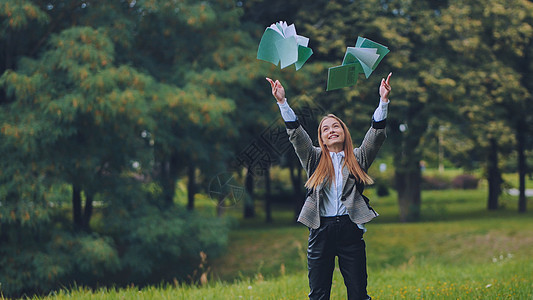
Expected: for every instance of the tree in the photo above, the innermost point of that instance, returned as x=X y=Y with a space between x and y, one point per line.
x=206 y=54
x=77 y=124
x=84 y=102
x=491 y=42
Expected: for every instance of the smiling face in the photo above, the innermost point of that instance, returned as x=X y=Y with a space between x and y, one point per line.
x=332 y=134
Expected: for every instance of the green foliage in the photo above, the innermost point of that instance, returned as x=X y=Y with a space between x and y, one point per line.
x=18 y=14
x=73 y=115
x=159 y=244
x=135 y=242
x=40 y=259
x=20 y=24
x=167 y=246
x=83 y=102
x=490 y=44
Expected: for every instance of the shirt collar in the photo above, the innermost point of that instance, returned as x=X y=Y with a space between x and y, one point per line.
x=339 y=154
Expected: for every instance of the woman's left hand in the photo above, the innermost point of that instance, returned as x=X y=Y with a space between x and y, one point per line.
x=385 y=88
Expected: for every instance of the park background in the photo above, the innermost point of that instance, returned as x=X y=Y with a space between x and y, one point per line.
x=143 y=155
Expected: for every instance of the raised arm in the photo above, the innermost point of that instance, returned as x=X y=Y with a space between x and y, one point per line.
x=375 y=136
x=300 y=140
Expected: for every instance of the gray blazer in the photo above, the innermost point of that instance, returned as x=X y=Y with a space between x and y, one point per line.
x=309 y=156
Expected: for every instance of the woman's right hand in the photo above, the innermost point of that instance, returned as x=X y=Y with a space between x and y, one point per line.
x=277 y=90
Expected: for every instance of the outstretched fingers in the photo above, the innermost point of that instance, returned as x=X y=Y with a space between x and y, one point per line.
x=274 y=86
x=277 y=83
x=388 y=79
x=277 y=89
x=271 y=81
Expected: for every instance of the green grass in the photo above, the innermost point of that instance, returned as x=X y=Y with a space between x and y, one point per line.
x=506 y=279
x=459 y=250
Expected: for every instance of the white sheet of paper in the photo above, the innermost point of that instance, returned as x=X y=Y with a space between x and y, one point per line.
x=367 y=56
x=277 y=28
x=302 y=40
x=282 y=25
x=289 y=31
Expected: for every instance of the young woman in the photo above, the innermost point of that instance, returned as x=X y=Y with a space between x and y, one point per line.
x=335 y=209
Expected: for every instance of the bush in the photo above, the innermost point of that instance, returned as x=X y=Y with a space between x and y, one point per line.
x=38 y=261
x=435 y=183
x=135 y=241
x=159 y=243
x=465 y=182
x=163 y=246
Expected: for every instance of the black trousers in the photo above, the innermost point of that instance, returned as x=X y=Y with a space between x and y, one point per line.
x=337 y=236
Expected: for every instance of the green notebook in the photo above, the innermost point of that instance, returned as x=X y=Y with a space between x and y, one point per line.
x=281 y=45
x=363 y=58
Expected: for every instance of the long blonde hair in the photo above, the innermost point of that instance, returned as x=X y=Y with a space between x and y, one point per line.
x=325 y=172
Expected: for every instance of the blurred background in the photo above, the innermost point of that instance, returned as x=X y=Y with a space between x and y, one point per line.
x=140 y=142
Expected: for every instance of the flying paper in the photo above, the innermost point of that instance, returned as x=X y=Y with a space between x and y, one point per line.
x=363 y=58
x=281 y=45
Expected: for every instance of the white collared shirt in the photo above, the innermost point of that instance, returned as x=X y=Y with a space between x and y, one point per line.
x=332 y=206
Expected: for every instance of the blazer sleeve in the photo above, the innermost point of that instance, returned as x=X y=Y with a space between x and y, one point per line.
x=374 y=138
x=303 y=145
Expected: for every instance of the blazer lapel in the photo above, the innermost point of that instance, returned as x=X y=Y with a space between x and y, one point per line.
x=345 y=174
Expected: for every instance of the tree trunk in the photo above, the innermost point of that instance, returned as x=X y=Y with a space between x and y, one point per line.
x=408 y=185
x=268 y=196
x=168 y=180
x=88 y=212
x=191 y=187
x=249 y=210
x=494 y=177
x=523 y=129
x=76 y=207
x=522 y=165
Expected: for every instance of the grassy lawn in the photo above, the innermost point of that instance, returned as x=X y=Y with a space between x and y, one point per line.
x=455 y=227
x=459 y=250
x=501 y=280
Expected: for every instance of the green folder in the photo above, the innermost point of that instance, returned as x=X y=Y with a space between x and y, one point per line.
x=363 y=58
x=267 y=46
x=381 y=50
x=277 y=49
x=343 y=76
x=303 y=55
x=287 y=50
